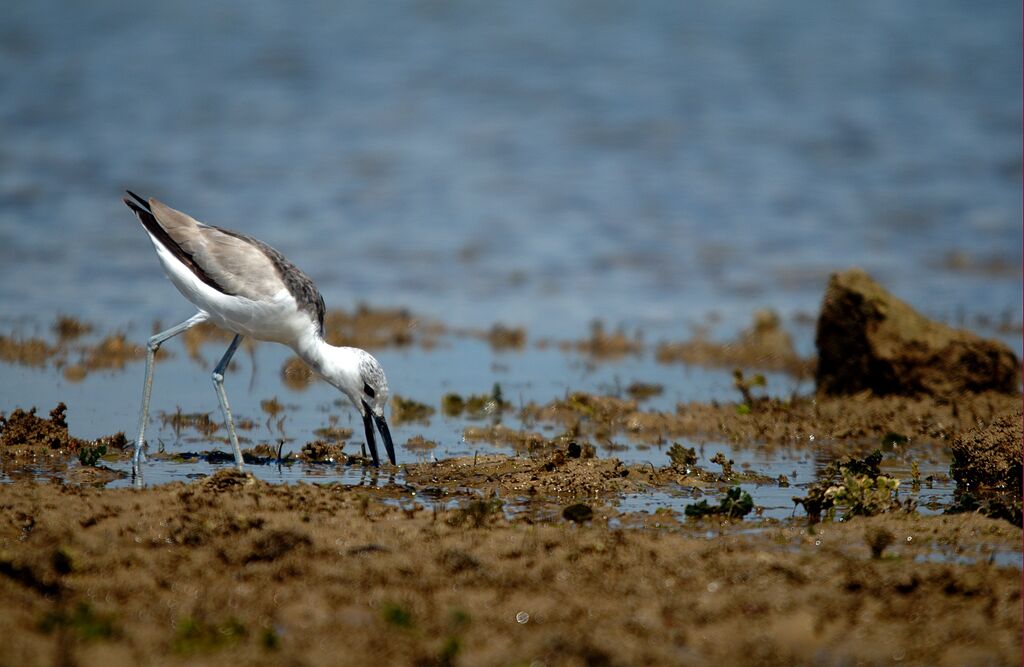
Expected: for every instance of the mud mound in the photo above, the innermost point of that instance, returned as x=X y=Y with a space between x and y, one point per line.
x=867 y=339
x=765 y=345
x=558 y=476
x=990 y=456
x=27 y=430
x=26 y=436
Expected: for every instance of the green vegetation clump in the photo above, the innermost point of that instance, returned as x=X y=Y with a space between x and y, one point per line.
x=735 y=504
x=90 y=456
x=857 y=485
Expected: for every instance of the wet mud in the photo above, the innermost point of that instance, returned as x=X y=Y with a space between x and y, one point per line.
x=536 y=557
x=765 y=345
x=803 y=421
x=230 y=570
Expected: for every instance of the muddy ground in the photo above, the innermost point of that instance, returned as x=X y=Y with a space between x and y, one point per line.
x=230 y=570
x=522 y=559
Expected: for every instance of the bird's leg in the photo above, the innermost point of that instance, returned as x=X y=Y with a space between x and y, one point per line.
x=218 y=385
x=154 y=344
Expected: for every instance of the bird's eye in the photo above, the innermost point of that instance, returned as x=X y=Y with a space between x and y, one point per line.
x=369 y=390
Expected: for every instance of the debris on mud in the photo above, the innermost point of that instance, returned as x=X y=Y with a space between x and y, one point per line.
x=764 y=346
x=867 y=339
x=683 y=458
x=69 y=352
x=322 y=451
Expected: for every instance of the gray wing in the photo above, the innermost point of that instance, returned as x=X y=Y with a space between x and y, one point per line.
x=238 y=264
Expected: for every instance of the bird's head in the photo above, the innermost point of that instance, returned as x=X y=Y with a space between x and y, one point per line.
x=360 y=377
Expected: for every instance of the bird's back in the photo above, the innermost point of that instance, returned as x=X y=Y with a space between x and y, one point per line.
x=232 y=265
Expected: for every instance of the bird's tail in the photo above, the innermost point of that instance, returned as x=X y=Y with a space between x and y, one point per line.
x=144 y=212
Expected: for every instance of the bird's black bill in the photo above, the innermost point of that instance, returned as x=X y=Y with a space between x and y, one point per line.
x=371 y=440
x=385 y=433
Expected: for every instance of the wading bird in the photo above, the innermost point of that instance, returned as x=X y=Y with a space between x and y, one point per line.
x=243 y=285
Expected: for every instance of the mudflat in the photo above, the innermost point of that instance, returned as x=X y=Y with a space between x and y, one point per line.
x=231 y=570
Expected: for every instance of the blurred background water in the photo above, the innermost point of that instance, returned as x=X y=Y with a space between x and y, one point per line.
x=539 y=163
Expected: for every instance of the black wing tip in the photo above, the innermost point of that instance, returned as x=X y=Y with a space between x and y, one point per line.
x=137 y=198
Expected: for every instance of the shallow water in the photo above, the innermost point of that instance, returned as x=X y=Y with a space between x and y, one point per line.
x=658 y=166
x=106 y=401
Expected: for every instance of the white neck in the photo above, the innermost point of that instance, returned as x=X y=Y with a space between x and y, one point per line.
x=337 y=365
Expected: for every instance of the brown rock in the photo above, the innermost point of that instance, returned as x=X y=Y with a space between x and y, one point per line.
x=868 y=339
